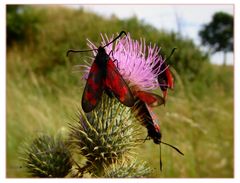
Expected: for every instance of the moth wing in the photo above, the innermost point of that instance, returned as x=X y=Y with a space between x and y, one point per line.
x=169 y=78
x=117 y=85
x=93 y=89
x=150 y=99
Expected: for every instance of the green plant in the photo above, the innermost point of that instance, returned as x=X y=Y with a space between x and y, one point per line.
x=47 y=157
x=42 y=91
x=22 y=24
x=105 y=137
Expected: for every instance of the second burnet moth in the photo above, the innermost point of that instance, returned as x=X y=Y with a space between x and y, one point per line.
x=104 y=75
x=144 y=113
x=165 y=78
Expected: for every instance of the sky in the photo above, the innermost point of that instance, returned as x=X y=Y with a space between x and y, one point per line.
x=186 y=19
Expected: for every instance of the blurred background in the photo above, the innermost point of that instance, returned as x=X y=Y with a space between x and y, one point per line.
x=43 y=92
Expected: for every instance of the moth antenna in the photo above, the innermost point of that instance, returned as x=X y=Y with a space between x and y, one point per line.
x=160 y=151
x=173 y=147
x=121 y=33
x=173 y=50
x=78 y=51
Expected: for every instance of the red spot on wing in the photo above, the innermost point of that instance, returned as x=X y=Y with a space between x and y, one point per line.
x=90 y=97
x=93 y=84
x=94 y=68
x=146 y=97
x=156 y=126
x=169 y=78
x=150 y=99
x=117 y=85
x=165 y=79
x=93 y=88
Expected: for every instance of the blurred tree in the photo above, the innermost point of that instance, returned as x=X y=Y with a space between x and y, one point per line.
x=22 y=23
x=218 y=34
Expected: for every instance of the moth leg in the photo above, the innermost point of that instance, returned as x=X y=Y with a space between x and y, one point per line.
x=115 y=60
x=147 y=138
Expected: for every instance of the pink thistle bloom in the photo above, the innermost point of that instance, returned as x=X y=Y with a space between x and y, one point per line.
x=138 y=64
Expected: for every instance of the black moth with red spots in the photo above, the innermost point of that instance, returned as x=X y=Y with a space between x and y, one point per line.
x=104 y=75
x=147 y=121
x=165 y=78
x=153 y=128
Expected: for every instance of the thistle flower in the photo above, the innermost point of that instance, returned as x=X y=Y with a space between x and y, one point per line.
x=138 y=63
x=126 y=169
x=105 y=136
x=48 y=157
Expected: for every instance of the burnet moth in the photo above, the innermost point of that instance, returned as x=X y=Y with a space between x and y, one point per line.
x=165 y=78
x=153 y=129
x=104 y=76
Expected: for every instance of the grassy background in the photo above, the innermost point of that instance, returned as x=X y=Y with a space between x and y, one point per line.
x=43 y=92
